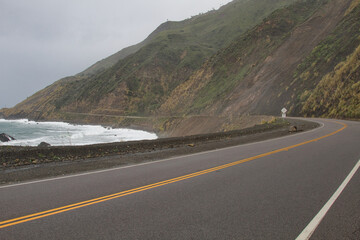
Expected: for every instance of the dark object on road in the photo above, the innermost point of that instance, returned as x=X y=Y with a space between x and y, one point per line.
x=293 y=129
x=44 y=144
x=6 y=138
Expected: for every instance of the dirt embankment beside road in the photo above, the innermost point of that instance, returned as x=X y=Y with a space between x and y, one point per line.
x=25 y=163
x=163 y=126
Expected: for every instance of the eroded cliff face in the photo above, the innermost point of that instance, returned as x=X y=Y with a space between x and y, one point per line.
x=257 y=74
x=338 y=92
x=271 y=86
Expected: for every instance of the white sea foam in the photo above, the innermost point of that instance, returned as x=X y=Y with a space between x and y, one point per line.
x=31 y=133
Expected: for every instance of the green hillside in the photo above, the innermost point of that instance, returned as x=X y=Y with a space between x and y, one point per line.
x=338 y=93
x=229 y=81
x=146 y=74
x=286 y=61
x=328 y=79
x=214 y=29
x=248 y=57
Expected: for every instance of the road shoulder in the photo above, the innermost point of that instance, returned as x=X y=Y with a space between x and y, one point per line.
x=144 y=151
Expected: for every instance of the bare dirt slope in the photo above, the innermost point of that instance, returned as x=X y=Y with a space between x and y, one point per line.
x=193 y=125
x=277 y=69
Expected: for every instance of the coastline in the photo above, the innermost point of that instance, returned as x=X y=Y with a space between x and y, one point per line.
x=162 y=126
x=32 y=133
x=27 y=163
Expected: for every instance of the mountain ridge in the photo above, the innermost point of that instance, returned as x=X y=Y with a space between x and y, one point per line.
x=280 y=60
x=137 y=85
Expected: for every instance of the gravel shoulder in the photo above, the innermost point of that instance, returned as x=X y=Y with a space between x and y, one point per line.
x=19 y=164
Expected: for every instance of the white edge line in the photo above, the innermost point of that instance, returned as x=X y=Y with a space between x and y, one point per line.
x=162 y=160
x=311 y=227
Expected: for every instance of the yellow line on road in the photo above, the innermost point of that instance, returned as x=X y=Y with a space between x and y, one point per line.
x=66 y=208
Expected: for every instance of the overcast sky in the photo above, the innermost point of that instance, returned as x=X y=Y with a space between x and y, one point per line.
x=42 y=41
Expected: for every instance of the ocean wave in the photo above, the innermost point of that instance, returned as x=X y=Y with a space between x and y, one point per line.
x=31 y=133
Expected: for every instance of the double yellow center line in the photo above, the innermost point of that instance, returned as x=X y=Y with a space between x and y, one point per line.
x=66 y=208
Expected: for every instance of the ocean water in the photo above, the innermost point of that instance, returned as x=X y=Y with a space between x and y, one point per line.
x=30 y=133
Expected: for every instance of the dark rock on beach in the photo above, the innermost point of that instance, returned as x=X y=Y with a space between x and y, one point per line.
x=44 y=144
x=25 y=163
x=6 y=138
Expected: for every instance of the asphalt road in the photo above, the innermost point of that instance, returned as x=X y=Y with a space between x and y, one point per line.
x=265 y=190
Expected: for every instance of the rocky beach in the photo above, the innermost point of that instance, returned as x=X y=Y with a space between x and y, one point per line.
x=26 y=163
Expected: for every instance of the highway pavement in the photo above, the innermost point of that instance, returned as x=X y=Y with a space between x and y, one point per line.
x=265 y=190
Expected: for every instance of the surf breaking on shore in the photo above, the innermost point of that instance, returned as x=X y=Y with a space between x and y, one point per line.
x=31 y=133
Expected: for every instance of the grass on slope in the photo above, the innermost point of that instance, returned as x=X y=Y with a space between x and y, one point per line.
x=323 y=60
x=166 y=61
x=232 y=64
x=338 y=93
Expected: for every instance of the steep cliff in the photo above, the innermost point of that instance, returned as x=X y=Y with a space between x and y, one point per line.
x=265 y=69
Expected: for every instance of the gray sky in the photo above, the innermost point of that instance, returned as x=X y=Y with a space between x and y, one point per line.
x=42 y=41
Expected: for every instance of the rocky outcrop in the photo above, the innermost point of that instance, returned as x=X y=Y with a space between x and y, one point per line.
x=6 y=138
x=44 y=144
x=293 y=129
